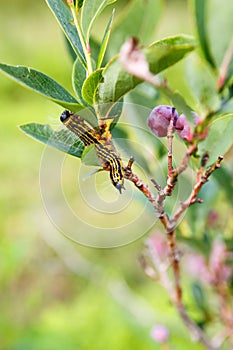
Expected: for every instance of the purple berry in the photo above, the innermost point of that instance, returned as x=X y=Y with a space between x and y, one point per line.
x=159 y=119
x=183 y=128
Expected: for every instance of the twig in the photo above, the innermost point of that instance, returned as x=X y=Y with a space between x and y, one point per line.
x=201 y=180
x=134 y=61
x=183 y=166
x=170 y=135
x=196 y=331
x=129 y=175
x=172 y=179
x=169 y=224
x=175 y=296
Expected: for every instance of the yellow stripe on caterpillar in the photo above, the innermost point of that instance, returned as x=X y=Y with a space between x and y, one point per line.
x=105 y=149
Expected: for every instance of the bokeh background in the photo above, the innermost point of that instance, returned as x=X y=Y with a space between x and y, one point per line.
x=56 y=294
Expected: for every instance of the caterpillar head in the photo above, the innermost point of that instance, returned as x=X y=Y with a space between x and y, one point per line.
x=119 y=186
x=117 y=177
x=65 y=116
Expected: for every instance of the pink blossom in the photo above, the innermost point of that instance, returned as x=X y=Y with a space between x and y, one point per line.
x=218 y=254
x=158 y=244
x=159 y=333
x=196 y=266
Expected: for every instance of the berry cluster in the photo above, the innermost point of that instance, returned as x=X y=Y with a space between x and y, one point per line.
x=160 y=117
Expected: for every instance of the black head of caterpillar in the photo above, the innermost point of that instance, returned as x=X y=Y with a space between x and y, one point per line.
x=105 y=150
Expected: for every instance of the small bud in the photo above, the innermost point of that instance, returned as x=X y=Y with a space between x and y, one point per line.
x=159 y=333
x=159 y=119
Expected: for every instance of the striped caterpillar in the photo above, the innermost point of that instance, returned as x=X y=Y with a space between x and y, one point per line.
x=104 y=148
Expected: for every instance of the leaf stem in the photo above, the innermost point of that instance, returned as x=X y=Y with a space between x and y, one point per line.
x=85 y=47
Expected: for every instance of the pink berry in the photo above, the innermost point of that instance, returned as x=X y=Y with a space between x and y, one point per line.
x=159 y=119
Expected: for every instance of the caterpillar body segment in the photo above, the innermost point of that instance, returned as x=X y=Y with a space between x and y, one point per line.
x=104 y=148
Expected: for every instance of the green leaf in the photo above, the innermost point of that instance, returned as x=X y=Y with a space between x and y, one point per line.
x=160 y=55
x=70 y=50
x=64 y=17
x=138 y=18
x=78 y=78
x=90 y=11
x=144 y=95
x=115 y=112
x=220 y=29
x=219 y=139
x=200 y=9
x=198 y=295
x=225 y=179
x=89 y=115
x=42 y=84
x=202 y=84
x=89 y=156
x=79 y=3
x=63 y=139
x=90 y=86
x=95 y=50
x=104 y=42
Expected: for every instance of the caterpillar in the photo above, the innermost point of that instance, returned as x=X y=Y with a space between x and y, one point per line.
x=104 y=148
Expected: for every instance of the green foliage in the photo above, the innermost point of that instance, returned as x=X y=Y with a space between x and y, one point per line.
x=42 y=84
x=200 y=16
x=105 y=40
x=99 y=83
x=160 y=55
x=202 y=84
x=90 y=86
x=90 y=11
x=136 y=19
x=63 y=139
x=89 y=156
x=109 y=84
x=219 y=43
x=39 y=322
x=64 y=18
x=215 y=144
x=78 y=78
x=211 y=17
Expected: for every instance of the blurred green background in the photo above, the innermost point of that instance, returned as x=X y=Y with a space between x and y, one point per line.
x=55 y=294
